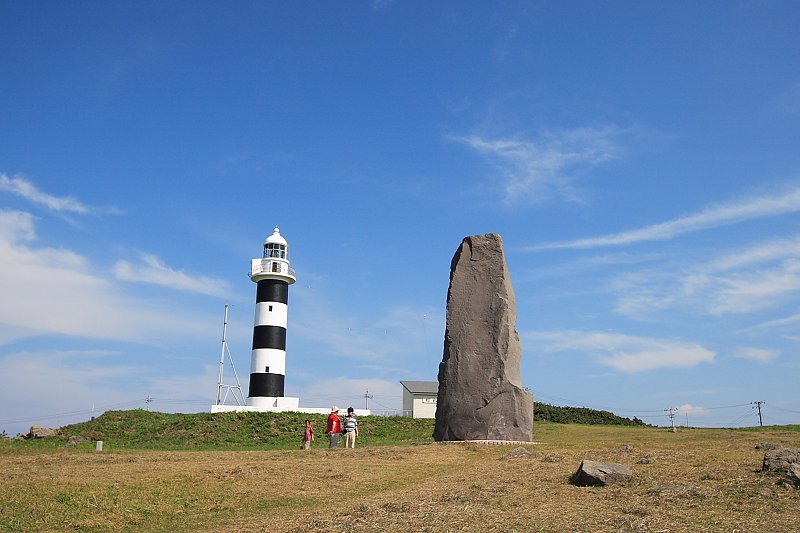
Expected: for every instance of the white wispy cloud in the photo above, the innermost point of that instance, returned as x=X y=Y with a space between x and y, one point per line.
x=757 y=354
x=60 y=204
x=153 y=270
x=791 y=321
x=752 y=291
x=537 y=169
x=784 y=202
x=693 y=409
x=380 y=339
x=626 y=353
x=773 y=250
x=56 y=291
x=82 y=380
x=16 y=227
x=745 y=280
x=640 y=294
x=26 y=189
x=101 y=379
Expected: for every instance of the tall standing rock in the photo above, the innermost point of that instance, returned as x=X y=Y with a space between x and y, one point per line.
x=480 y=389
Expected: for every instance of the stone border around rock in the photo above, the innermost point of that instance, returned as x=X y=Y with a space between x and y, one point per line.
x=490 y=442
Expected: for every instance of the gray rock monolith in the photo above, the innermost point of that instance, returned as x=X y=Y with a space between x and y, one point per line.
x=481 y=396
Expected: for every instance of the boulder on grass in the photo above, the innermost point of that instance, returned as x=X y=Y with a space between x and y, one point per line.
x=519 y=452
x=779 y=460
x=793 y=475
x=38 y=432
x=594 y=473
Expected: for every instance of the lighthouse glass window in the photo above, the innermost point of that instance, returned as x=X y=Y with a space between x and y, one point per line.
x=272 y=249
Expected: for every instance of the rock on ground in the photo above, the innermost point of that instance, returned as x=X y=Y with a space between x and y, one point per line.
x=779 y=460
x=593 y=473
x=793 y=475
x=39 y=432
x=519 y=452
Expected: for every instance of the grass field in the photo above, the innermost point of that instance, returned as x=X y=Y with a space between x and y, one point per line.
x=698 y=480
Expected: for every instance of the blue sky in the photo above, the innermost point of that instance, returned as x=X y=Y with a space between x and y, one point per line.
x=641 y=162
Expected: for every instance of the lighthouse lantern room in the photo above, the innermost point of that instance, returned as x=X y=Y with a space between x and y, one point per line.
x=273 y=274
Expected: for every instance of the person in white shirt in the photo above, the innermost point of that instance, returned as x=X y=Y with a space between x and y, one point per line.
x=350 y=428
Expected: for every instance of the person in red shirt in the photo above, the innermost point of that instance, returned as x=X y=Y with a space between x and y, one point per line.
x=334 y=427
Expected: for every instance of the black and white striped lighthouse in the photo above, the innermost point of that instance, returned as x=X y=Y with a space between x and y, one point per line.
x=273 y=274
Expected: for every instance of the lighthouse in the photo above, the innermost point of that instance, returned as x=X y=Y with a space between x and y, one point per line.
x=272 y=274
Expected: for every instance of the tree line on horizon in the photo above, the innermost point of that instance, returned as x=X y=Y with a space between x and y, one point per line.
x=581 y=415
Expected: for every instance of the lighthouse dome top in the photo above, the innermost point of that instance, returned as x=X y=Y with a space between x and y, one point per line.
x=275 y=263
x=276 y=238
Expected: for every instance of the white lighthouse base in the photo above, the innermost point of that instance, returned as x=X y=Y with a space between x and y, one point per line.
x=281 y=403
x=267 y=404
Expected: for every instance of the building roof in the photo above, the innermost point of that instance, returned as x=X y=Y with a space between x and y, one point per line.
x=421 y=387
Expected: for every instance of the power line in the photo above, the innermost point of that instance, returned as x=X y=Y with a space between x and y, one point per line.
x=727 y=406
x=573 y=403
x=150 y=399
x=782 y=409
x=737 y=420
x=65 y=414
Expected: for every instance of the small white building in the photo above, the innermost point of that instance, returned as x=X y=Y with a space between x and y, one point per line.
x=419 y=398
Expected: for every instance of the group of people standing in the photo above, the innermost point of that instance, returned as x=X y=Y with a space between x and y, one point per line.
x=335 y=427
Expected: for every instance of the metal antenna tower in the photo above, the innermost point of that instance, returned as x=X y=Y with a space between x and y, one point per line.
x=232 y=389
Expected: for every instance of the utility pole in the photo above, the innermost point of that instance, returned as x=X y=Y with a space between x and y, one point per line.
x=147 y=401
x=758 y=405
x=672 y=411
x=367 y=396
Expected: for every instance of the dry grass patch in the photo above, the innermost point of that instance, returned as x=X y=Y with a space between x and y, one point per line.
x=698 y=480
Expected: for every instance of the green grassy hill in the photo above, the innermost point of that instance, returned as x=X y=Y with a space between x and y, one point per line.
x=140 y=429
x=144 y=429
